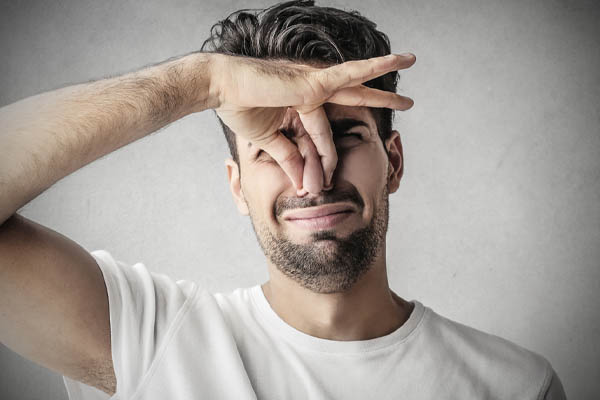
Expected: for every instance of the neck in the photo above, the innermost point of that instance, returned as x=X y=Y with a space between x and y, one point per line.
x=368 y=310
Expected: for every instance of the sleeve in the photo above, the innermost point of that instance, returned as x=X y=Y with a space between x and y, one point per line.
x=144 y=308
x=554 y=389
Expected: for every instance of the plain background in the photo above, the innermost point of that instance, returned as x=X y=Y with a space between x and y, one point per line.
x=496 y=223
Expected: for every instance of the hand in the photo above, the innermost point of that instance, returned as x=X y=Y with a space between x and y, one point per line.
x=253 y=95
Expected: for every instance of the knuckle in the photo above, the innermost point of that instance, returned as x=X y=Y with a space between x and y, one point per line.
x=292 y=158
x=319 y=87
x=317 y=135
x=362 y=101
x=324 y=78
x=264 y=141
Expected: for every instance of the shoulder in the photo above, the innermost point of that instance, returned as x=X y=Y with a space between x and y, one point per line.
x=479 y=355
x=145 y=309
x=236 y=302
x=238 y=309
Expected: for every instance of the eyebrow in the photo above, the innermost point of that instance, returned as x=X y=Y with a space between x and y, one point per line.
x=345 y=124
x=339 y=126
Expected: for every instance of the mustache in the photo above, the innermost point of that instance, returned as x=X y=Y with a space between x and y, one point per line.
x=347 y=194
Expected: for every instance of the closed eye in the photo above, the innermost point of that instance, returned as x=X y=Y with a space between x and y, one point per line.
x=342 y=138
x=357 y=135
x=335 y=137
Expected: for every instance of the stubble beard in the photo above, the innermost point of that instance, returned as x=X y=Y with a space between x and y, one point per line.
x=327 y=269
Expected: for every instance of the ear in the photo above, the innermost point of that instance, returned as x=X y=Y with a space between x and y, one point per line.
x=235 y=185
x=393 y=146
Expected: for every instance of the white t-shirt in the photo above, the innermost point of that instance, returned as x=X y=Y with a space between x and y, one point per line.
x=174 y=340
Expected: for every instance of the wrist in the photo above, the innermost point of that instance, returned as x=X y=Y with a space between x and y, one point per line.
x=198 y=83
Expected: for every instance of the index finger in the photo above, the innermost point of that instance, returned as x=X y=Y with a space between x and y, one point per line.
x=352 y=73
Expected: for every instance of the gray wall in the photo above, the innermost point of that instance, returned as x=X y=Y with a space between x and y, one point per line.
x=496 y=223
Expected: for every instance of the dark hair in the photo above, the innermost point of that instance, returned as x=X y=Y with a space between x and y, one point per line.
x=303 y=32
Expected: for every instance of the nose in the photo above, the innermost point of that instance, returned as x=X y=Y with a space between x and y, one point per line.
x=292 y=123
x=303 y=192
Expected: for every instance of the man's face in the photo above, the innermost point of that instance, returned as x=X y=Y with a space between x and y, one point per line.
x=322 y=259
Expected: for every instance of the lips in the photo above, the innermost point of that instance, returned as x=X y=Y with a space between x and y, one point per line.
x=320 y=211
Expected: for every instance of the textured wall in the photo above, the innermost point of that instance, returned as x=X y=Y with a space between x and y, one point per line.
x=496 y=223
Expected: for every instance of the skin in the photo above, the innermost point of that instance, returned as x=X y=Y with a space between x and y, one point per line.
x=50 y=135
x=335 y=306
x=253 y=108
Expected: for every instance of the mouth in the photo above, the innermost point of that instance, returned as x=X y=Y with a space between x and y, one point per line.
x=321 y=217
x=320 y=211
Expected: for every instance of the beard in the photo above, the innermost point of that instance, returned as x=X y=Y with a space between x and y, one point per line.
x=331 y=267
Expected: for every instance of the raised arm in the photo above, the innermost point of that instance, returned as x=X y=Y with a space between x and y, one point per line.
x=53 y=301
x=48 y=136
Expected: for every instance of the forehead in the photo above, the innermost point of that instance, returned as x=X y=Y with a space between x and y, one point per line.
x=334 y=112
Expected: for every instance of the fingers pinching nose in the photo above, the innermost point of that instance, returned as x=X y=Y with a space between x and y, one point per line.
x=301 y=192
x=327 y=188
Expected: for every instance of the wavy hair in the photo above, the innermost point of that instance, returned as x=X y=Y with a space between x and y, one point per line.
x=305 y=33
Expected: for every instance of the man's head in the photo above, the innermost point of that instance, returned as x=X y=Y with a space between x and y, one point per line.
x=303 y=32
x=370 y=162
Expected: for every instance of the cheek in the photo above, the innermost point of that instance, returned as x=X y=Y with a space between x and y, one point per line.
x=364 y=167
x=270 y=180
x=262 y=184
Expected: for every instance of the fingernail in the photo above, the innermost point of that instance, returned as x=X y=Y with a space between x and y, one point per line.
x=407 y=55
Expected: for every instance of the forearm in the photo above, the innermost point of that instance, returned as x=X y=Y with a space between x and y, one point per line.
x=48 y=136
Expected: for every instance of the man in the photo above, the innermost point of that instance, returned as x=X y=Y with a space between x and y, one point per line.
x=314 y=159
